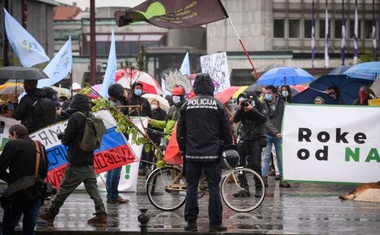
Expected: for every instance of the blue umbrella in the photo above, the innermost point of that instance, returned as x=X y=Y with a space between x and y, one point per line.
x=368 y=70
x=285 y=76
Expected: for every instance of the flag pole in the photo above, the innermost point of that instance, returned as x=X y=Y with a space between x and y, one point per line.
x=245 y=51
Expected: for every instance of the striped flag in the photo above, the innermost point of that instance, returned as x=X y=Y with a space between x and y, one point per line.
x=374 y=32
x=27 y=49
x=343 y=43
x=356 y=34
x=109 y=76
x=312 y=36
x=326 y=38
x=59 y=66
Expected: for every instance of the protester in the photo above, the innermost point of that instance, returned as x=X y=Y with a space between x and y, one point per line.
x=364 y=96
x=147 y=156
x=275 y=106
x=252 y=114
x=118 y=97
x=3 y=107
x=19 y=156
x=139 y=105
x=25 y=111
x=334 y=93
x=319 y=100
x=75 y=88
x=203 y=125
x=80 y=168
x=286 y=94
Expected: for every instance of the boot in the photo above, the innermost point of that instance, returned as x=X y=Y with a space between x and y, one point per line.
x=99 y=218
x=218 y=228
x=284 y=184
x=265 y=179
x=242 y=193
x=191 y=226
x=47 y=215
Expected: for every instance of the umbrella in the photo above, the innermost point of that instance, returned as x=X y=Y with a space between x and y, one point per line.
x=239 y=91
x=62 y=91
x=163 y=102
x=11 y=89
x=307 y=97
x=339 y=70
x=97 y=88
x=368 y=70
x=150 y=85
x=253 y=88
x=376 y=87
x=21 y=73
x=283 y=76
x=225 y=95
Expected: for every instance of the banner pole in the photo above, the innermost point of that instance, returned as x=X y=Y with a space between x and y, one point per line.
x=245 y=51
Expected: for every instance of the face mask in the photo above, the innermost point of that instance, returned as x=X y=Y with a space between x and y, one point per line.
x=138 y=92
x=284 y=93
x=176 y=99
x=253 y=103
x=268 y=97
x=153 y=106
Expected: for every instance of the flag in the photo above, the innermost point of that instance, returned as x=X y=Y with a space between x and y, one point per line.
x=356 y=34
x=173 y=14
x=185 y=67
x=312 y=36
x=59 y=66
x=27 y=49
x=343 y=43
x=326 y=38
x=109 y=76
x=374 y=45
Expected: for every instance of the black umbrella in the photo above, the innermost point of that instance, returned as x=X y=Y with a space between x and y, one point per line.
x=21 y=73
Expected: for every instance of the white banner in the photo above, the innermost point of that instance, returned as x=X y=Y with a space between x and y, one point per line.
x=328 y=143
x=216 y=66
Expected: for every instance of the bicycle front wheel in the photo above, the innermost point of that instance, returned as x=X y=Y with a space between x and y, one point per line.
x=166 y=188
x=243 y=190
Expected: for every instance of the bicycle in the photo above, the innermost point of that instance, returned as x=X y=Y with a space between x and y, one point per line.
x=166 y=188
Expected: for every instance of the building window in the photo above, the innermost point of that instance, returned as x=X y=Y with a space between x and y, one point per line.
x=279 y=28
x=307 y=28
x=322 y=28
x=352 y=28
x=294 y=29
x=368 y=29
x=338 y=28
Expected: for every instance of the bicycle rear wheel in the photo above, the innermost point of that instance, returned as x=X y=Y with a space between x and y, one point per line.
x=166 y=188
x=241 y=190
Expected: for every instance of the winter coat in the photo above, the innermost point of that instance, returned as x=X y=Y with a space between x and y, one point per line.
x=170 y=121
x=273 y=124
x=144 y=110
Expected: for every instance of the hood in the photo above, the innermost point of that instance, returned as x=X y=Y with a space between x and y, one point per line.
x=37 y=93
x=203 y=84
x=80 y=102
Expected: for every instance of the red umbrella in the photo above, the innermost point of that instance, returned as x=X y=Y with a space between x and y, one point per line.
x=127 y=77
x=225 y=96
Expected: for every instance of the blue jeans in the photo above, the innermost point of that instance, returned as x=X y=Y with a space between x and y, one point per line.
x=13 y=212
x=213 y=175
x=112 y=183
x=277 y=142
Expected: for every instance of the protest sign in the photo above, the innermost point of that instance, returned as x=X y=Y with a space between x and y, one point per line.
x=5 y=124
x=216 y=66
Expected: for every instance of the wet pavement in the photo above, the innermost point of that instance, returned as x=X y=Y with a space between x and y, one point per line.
x=301 y=209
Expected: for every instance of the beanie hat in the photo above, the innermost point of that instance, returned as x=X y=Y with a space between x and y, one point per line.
x=178 y=90
x=80 y=102
x=320 y=99
x=203 y=84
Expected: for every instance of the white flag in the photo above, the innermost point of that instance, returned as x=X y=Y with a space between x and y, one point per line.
x=327 y=39
x=59 y=66
x=27 y=49
x=109 y=76
x=185 y=67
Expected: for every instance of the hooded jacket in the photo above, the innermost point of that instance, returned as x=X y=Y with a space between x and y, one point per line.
x=203 y=124
x=24 y=111
x=74 y=132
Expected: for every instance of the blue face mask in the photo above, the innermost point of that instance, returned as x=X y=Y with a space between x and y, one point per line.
x=138 y=92
x=284 y=93
x=268 y=97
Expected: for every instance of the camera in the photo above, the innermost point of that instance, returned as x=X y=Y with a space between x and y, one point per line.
x=244 y=103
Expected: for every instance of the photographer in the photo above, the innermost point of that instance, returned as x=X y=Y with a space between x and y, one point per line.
x=252 y=113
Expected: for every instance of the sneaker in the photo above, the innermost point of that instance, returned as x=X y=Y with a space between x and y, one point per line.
x=218 y=228
x=99 y=218
x=191 y=226
x=118 y=200
x=284 y=184
x=258 y=192
x=242 y=193
x=47 y=215
x=265 y=179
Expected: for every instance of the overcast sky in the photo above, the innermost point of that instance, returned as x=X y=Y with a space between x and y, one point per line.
x=103 y=3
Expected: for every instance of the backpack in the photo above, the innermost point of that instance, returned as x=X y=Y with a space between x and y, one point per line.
x=94 y=130
x=44 y=114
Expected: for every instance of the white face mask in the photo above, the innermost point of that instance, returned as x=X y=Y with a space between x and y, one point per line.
x=176 y=99
x=153 y=106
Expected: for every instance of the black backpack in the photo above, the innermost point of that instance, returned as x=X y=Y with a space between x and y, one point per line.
x=43 y=114
x=94 y=130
